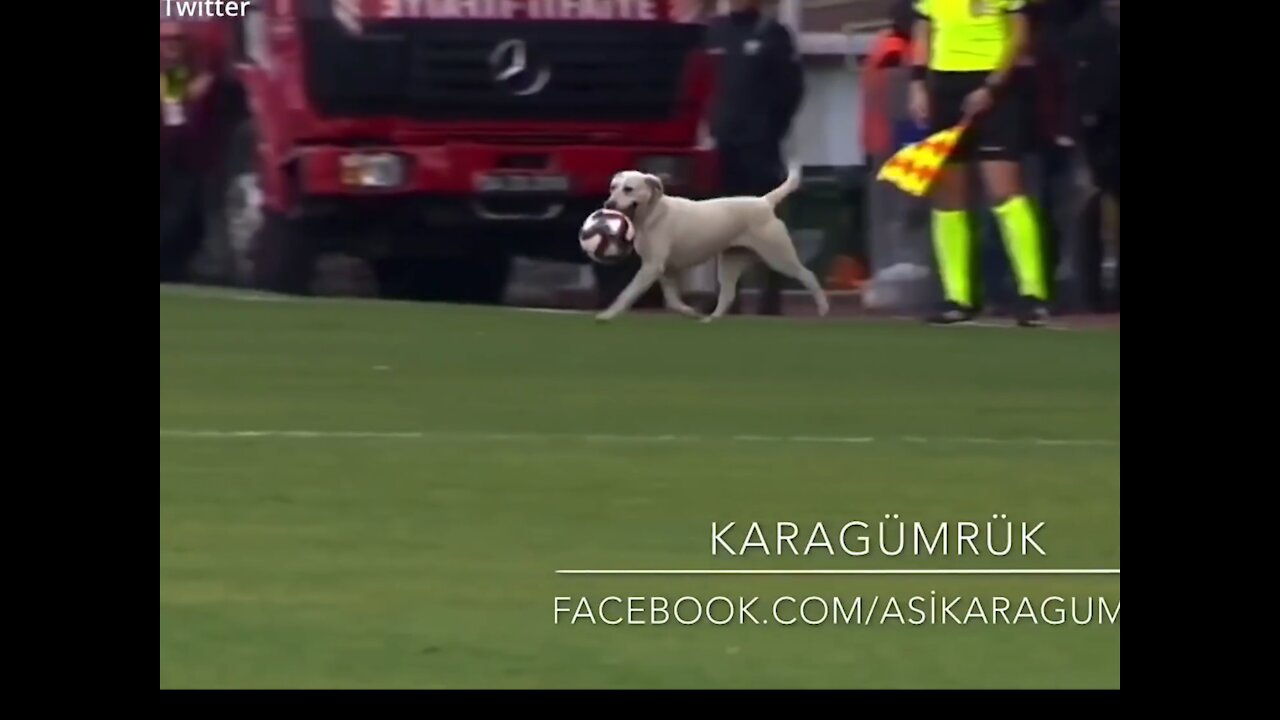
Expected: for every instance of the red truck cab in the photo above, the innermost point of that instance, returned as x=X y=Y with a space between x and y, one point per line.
x=438 y=139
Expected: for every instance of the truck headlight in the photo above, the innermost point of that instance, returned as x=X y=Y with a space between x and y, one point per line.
x=673 y=170
x=373 y=170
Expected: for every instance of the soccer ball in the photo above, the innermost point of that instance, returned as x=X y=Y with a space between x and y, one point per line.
x=607 y=236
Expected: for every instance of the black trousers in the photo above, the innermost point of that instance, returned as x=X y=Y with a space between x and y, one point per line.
x=754 y=169
x=180 y=211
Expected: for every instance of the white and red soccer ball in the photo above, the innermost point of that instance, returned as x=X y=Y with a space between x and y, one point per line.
x=607 y=236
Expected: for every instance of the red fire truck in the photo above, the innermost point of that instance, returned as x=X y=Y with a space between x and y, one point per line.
x=438 y=139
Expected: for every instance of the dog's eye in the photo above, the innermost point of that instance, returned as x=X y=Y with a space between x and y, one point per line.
x=626 y=191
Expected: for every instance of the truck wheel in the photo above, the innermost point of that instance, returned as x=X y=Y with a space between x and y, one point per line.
x=480 y=280
x=283 y=258
x=489 y=275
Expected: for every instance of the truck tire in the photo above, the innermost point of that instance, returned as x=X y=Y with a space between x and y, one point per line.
x=283 y=258
x=489 y=274
x=479 y=280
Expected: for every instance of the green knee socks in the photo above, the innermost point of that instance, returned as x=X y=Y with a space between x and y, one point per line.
x=1021 y=234
x=951 y=242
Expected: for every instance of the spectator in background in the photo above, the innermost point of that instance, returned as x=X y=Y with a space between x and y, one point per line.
x=182 y=83
x=181 y=80
x=1047 y=160
x=1093 y=51
x=902 y=17
x=1081 y=38
x=891 y=48
x=759 y=86
x=1093 y=43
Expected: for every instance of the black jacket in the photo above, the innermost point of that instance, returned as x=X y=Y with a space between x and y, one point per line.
x=1094 y=81
x=1094 y=52
x=759 y=79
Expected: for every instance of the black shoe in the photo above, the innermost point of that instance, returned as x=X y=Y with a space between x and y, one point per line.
x=1033 y=312
x=951 y=313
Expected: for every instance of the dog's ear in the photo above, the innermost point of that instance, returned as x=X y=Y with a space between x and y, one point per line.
x=656 y=189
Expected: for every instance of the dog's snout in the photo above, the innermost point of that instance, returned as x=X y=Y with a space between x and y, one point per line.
x=610 y=205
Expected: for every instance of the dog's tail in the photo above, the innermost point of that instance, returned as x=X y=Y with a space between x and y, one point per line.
x=788 y=186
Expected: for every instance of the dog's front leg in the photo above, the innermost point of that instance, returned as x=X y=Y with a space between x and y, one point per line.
x=645 y=277
x=671 y=294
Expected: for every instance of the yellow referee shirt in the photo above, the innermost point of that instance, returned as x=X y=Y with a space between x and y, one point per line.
x=967 y=35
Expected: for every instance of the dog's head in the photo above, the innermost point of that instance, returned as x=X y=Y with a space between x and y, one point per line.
x=633 y=192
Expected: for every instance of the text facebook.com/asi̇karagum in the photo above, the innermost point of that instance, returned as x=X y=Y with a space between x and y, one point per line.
x=998 y=538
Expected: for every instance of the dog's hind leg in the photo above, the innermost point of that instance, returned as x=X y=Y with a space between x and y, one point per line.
x=671 y=294
x=729 y=268
x=773 y=244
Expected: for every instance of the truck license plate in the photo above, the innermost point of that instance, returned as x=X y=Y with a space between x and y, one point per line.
x=517 y=183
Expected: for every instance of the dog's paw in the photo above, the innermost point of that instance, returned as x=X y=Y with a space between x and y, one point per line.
x=604 y=317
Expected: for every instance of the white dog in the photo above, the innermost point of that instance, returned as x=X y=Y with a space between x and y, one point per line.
x=675 y=233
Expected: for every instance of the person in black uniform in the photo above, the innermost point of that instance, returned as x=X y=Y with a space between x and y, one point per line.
x=759 y=86
x=1091 y=42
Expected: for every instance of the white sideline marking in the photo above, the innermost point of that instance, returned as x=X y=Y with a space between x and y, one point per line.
x=856 y=571
x=217 y=293
x=598 y=438
x=232 y=295
x=548 y=311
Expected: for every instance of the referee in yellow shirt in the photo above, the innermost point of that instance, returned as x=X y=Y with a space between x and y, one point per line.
x=964 y=54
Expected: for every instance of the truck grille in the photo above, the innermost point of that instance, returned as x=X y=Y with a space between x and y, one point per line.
x=441 y=70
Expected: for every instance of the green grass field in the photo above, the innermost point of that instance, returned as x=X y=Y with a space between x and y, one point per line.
x=445 y=462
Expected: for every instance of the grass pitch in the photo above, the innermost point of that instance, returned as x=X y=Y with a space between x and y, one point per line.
x=357 y=557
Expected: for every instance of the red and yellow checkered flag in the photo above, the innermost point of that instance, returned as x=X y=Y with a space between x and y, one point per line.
x=914 y=167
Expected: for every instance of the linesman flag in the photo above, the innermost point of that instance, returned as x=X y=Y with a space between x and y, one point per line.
x=914 y=167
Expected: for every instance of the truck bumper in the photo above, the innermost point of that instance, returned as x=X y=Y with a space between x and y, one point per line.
x=462 y=199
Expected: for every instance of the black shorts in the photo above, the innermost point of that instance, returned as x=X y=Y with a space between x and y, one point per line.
x=995 y=135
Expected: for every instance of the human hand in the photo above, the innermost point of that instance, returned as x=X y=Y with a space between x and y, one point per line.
x=977 y=102
x=918 y=104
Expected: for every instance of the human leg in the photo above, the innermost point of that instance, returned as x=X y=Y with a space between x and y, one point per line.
x=951 y=232
x=953 y=246
x=756 y=169
x=999 y=147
